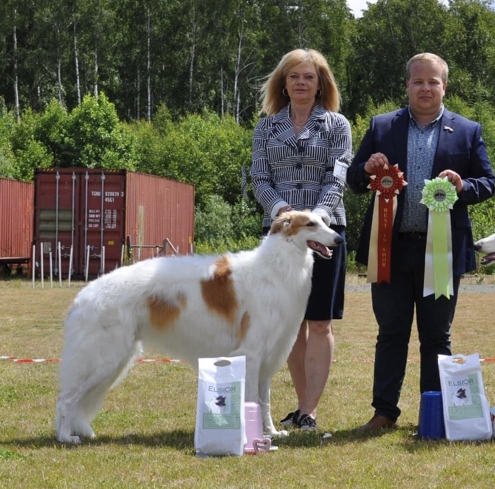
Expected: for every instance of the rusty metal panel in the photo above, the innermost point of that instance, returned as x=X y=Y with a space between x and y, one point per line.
x=90 y=215
x=158 y=211
x=16 y=218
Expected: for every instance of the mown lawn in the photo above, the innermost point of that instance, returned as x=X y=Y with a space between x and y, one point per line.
x=145 y=430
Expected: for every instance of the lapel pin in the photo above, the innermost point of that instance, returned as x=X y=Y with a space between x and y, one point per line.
x=448 y=128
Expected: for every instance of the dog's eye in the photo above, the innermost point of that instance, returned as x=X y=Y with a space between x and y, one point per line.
x=310 y=223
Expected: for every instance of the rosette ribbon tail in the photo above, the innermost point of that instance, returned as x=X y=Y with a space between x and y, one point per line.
x=379 y=255
x=386 y=183
x=439 y=196
x=438 y=259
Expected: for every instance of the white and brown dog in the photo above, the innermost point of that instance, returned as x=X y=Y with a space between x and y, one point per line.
x=487 y=247
x=249 y=303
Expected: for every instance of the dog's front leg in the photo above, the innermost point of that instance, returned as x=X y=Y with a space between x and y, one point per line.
x=264 y=400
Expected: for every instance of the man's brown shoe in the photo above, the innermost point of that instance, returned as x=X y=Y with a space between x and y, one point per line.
x=378 y=422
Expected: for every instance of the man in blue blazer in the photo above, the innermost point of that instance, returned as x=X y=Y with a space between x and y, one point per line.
x=426 y=141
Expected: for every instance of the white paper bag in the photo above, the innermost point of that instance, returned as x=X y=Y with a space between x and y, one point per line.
x=220 y=418
x=465 y=407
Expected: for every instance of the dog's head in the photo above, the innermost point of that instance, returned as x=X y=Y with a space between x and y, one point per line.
x=487 y=247
x=307 y=229
x=461 y=394
x=220 y=401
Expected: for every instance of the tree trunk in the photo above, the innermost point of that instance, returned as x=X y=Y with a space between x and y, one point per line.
x=237 y=71
x=59 y=69
x=96 y=74
x=193 y=53
x=222 y=93
x=138 y=94
x=76 y=60
x=16 y=74
x=148 y=29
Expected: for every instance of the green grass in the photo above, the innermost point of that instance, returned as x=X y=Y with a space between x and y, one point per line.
x=145 y=430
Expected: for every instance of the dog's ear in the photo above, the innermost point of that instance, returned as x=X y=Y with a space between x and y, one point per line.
x=279 y=224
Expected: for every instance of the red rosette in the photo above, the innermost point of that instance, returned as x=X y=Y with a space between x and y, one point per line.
x=387 y=181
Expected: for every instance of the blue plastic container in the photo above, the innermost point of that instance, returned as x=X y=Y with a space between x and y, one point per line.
x=431 y=422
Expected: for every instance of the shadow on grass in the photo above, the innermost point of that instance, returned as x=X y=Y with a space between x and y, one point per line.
x=178 y=439
x=184 y=440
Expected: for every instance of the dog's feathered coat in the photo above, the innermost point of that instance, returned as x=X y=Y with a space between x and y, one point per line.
x=249 y=303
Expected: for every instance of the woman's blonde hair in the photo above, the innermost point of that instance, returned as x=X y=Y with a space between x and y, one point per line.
x=431 y=59
x=272 y=96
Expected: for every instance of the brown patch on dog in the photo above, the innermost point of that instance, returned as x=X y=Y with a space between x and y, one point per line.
x=244 y=326
x=289 y=223
x=163 y=314
x=219 y=293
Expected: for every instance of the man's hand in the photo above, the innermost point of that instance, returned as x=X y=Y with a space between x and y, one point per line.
x=374 y=162
x=454 y=178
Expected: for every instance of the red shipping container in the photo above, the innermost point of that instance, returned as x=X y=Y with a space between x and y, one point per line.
x=98 y=217
x=16 y=221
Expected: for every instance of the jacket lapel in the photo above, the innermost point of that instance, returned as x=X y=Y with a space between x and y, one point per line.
x=445 y=138
x=282 y=128
x=400 y=131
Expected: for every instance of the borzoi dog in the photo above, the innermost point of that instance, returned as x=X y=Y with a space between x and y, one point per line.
x=250 y=303
x=486 y=246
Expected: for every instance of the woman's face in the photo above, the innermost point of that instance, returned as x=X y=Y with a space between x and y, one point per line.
x=302 y=83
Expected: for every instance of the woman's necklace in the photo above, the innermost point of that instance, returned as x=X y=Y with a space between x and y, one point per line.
x=299 y=126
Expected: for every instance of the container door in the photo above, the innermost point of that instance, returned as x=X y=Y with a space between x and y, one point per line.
x=79 y=221
x=101 y=221
x=55 y=194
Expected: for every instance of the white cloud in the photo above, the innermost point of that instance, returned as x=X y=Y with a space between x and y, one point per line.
x=357 y=6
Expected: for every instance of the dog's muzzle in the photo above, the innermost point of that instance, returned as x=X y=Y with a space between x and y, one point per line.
x=322 y=250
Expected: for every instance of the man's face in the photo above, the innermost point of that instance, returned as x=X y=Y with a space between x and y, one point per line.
x=425 y=88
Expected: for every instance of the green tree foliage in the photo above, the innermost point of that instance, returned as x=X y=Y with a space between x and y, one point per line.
x=29 y=153
x=387 y=35
x=172 y=88
x=470 y=28
x=208 y=151
x=220 y=226
x=96 y=138
x=7 y=126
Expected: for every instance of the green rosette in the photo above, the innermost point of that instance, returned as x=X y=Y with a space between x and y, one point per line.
x=439 y=195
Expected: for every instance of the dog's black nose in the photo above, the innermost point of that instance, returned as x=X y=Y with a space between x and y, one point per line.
x=477 y=247
x=338 y=241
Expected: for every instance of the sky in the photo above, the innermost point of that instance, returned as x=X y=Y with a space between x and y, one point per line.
x=358 y=5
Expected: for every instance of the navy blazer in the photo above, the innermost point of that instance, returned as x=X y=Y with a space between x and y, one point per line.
x=460 y=148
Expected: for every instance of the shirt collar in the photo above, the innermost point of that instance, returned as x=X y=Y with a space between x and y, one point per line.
x=432 y=123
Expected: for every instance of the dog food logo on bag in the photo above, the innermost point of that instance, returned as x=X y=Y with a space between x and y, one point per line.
x=464 y=398
x=220 y=390
x=457 y=383
x=458 y=360
x=222 y=406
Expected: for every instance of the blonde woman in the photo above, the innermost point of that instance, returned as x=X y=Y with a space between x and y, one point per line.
x=301 y=151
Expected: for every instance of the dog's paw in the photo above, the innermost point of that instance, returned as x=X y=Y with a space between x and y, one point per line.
x=74 y=440
x=278 y=434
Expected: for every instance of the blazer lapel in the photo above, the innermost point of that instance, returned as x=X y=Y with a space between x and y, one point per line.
x=282 y=128
x=445 y=138
x=400 y=131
